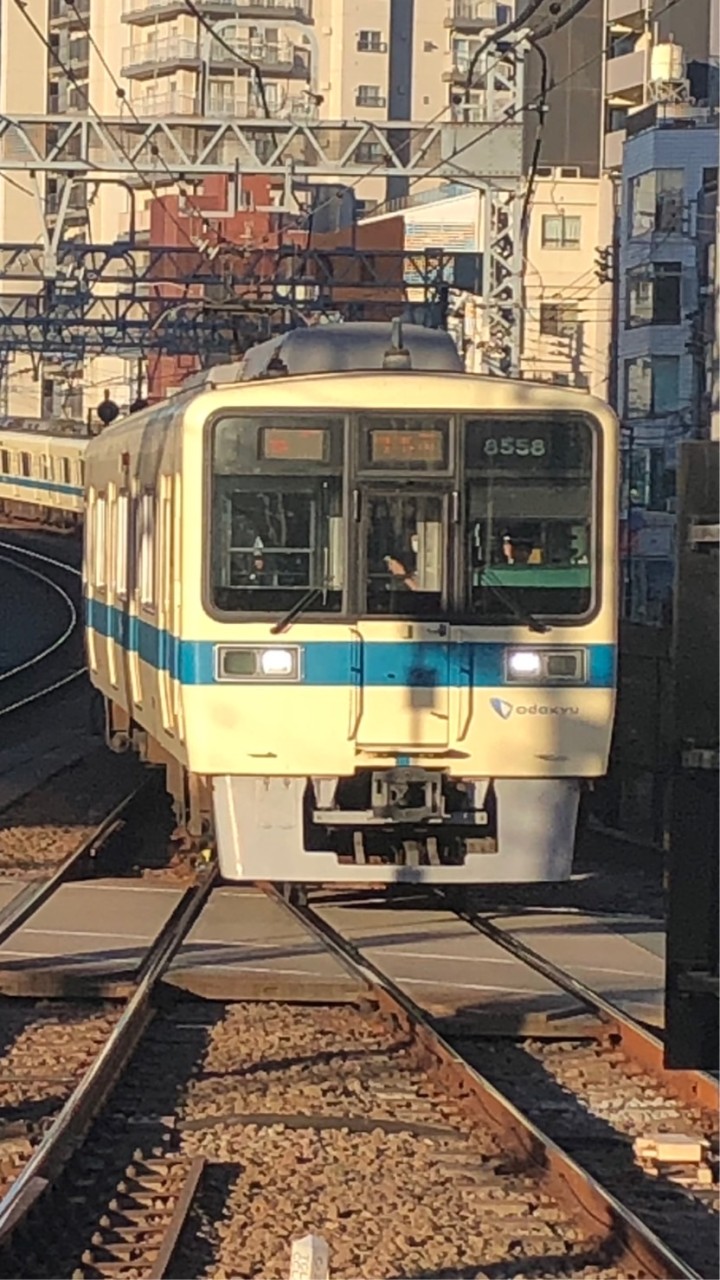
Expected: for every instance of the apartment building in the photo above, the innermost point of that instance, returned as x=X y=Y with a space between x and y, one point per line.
x=667 y=379
x=657 y=50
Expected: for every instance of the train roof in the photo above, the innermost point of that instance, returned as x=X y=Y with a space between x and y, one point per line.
x=361 y=346
x=44 y=426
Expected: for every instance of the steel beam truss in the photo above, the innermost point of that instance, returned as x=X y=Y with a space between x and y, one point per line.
x=115 y=299
x=74 y=300
x=167 y=148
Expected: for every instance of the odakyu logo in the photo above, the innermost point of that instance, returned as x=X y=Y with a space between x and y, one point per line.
x=501 y=707
x=505 y=709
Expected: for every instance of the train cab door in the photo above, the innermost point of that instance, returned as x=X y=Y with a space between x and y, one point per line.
x=402 y=664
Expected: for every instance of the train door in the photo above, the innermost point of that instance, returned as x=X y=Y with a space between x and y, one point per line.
x=403 y=653
x=167 y=648
x=123 y=593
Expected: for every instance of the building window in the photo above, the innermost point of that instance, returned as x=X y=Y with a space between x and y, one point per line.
x=560 y=231
x=559 y=319
x=369 y=95
x=656 y=201
x=371 y=42
x=653 y=294
x=652 y=386
x=369 y=153
x=364 y=208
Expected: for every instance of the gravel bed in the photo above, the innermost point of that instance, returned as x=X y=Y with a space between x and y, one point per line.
x=594 y=1102
x=318 y=1120
x=310 y=1119
x=45 y=1050
x=42 y=829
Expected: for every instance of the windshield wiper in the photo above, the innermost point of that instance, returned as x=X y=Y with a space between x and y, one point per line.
x=528 y=619
x=299 y=607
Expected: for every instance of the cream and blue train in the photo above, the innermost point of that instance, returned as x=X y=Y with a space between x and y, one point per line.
x=42 y=471
x=362 y=606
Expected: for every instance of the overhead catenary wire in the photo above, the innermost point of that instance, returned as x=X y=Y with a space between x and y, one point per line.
x=541 y=106
x=515 y=24
x=461 y=175
x=123 y=98
x=207 y=25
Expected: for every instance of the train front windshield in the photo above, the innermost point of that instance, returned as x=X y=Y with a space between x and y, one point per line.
x=477 y=519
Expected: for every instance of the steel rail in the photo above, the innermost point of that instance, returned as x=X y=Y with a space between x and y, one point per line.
x=175 y=1227
x=695 y=1088
x=59 y=641
x=29 y=900
x=630 y=1244
x=68 y=1130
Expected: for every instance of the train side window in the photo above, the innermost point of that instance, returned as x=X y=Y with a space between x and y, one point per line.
x=25 y=464
x=121 y=546
x=65 y=470
x=5 y=461
x=45 y=469
x=81 y=472
x=100 y=543
x=89 y=538
x=146 y=557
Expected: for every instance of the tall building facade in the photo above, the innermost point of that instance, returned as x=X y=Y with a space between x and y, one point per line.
x=667 y=375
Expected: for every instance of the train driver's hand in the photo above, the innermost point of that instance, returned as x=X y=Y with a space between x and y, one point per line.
x=394 y=567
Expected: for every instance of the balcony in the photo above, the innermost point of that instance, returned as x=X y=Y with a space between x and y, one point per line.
x=276 y=57
x=625 y=77
x=62 y=14
x=64 y=97
x=146 y=11
x=476 y=15
x=77 y=203
x=626 y=13
x=165 y=104
x=614 y=146
x=170 y=51
x=75 y=53
x=478 y=110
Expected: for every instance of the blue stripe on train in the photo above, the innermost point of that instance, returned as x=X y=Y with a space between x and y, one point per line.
x=45 y=486
x=388 y=663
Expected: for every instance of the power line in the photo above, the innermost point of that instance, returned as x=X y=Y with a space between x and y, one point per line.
x=562 y=19
x=120 y=92
x=542 y=109
x=240 y=57
x=508 y=29
x=123 y=98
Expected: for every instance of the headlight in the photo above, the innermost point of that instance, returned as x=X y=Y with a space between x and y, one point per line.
x=257 y=662
x=277 y=662
x=545 y=666
x=523 y=662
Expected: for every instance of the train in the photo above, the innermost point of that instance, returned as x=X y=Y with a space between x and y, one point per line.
x=362 y=607
x=42 y=472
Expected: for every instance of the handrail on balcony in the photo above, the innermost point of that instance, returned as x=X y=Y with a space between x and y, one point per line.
x=138 y=8
x=475 y=11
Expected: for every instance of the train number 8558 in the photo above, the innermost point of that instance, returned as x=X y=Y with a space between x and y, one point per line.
x=515 y=446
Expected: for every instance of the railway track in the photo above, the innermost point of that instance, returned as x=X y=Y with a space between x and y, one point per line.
x=246 y=1123
x=56 y=663
x=29 y=1179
